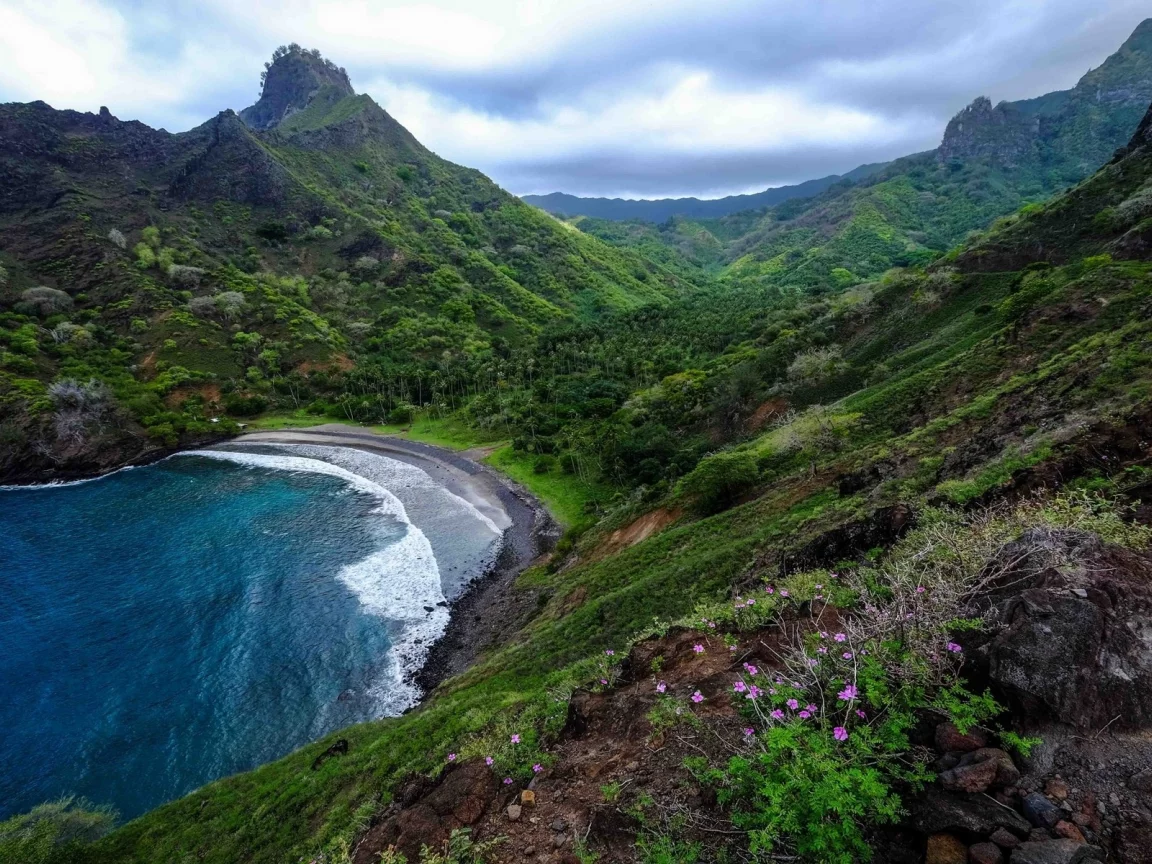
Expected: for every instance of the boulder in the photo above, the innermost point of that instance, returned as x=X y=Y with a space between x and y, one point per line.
x=1004 y=839
x=946 y=849
x=1055 y=852
x=985 y=853
x=940 y=811
x=1040 y=811
x=980 y=770
x=949 y=739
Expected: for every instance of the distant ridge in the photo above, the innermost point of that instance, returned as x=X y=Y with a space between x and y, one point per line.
x=623 y=209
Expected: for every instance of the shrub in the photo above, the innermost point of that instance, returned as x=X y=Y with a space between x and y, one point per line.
x=45 y=301
x=117 y=239
x=816 y=365
x=717 y=481
x=50 y=832
x=181 y=274
x=245 y=405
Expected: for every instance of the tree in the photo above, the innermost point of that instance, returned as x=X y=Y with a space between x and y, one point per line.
x=719 y=479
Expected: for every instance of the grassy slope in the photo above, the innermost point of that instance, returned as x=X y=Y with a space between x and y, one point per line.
x=994 y=375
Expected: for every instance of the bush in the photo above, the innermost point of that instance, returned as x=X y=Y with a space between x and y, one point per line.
x=816 y=365
x=117 y=239
x=245 y=405
x=717 y=481
x=50 y=832
x=45 y=301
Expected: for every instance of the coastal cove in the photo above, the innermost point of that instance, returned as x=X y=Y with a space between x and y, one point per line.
x=220 y=608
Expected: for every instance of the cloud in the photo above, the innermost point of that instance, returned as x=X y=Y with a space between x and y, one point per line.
x=586 y=96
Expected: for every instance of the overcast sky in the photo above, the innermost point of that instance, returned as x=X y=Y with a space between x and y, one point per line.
x=627 y=98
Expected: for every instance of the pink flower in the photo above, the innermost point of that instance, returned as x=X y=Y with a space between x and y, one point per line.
x=848 y=693
x=603 y=680
x=754 y=692
x=804 y=715
x=847 y=655
x=793 y=704
x=712 y=624
x=812 y=661
x=749 y=732
x=731 y=647
x=771 y=691
x=861 y=714
x=610 y=653
x=507 y=781
x=739 y=686
x=751 y=601
x=661 y=687
x=750 y=669
x=770 y=589
x=823 y=635
x=840 y=637
x=784 y=592
x=811 y=707
x=488 y=760
x=919 y=589
x=515 y=739
x=954 y=648
x=537 y=768
x=821 y=650
x=840 y=733
x=451 y=757
x=699 y=649
x=697 y=697
x=777 y=714
x=818 y=587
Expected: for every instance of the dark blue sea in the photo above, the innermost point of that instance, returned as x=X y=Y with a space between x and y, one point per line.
x=165 y=626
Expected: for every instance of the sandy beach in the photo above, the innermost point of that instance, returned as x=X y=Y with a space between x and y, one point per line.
x=490 y=609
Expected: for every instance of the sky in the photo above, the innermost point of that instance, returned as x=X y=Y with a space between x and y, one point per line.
x=623 y=98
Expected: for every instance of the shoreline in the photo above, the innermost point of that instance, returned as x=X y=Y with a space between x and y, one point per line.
x=488 y=609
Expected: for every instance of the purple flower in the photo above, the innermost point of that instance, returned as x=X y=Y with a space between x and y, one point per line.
x=749 y=732
x=861 y=714
x=712 y=624
x=793 y=704
x=848 y=693
x=821 y=650
x=770 y=589
x=488 y=760
x=784 y=592
x=823 y=635
x=451 y=757
x=515 y=739
x=847 y=655
x=699 y=649
x=697 y=697
x=840 y=733
x=604 y=681
x=661 y=687
x=777 y=714
x=919 y=589
x=507 y=781
x=754 y=692
x=751 y=601
x=811 y=707
x=610 y=653
x=537 y=768
x=804 y=715
x=818 y=587
x=739 y=686
x=840 y=637
x=750 y=669
x=953 y=647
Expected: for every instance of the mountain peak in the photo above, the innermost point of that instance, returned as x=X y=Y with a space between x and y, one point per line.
x=289 y=83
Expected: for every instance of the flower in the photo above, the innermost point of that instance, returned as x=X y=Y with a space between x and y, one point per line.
x=848 y=693
x=812 y=661
x=451 y=757
x=697 y=697
x=847 y=655
x=699 y=649
x=751 y=601
x=507 y=781
x=861 y=714
x=770 y=589
x=840 y=733
x=610 y=653
x=805 y=714
x=537 y=768
x=821 y=650
x=953 y=647
x=739 y=686
x=750 y=669
x=840 y=637
x=793 y=704
x=784 y=592
x=661 y=687
x=603 y=680
x=754 y=692
x=712 y=624
x=515 y=739
x=919 y=589
x=811 y=707
x=749 y=731
x=731 y=647
x=488 y=760
x=823 y=635
x=777 y=714
x=818 y=587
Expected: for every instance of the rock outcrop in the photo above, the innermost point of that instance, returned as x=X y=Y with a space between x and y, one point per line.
x=292 y=81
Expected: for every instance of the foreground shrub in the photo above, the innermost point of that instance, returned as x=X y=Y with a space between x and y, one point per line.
x=719 y=479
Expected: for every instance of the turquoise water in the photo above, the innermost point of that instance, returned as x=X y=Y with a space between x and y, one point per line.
x=165 y=626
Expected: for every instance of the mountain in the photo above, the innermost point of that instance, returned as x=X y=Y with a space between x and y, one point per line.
x=836 y=529
x=658 y=210
x=992 y=161
x=181 y=279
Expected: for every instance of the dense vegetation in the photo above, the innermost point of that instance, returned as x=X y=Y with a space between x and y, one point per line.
x=757 y=415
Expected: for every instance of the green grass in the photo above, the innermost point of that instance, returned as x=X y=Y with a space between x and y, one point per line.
x=566 y=496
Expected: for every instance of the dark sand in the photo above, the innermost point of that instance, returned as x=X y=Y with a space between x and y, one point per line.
x=489 y=610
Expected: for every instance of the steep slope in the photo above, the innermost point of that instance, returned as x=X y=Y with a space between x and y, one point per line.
x=991 y=162
x=1010 y=369
x=178 y=277
x=660 y=209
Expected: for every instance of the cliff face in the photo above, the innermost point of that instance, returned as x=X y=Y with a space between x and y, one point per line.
x=1003 y=135
x=293 y=80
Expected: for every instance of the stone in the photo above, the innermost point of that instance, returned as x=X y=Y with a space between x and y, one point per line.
x=559 y=825
x=529 y=851
x=949 y=739
x=985 y=853
x=1055 y=852
x=1141 y=781
x=514 y=811
x=940 y=811
x=1004 y=839
x=946 y=849
x=979 y=770
x=528 y=797
x=1068 y=831
x=1040 y=811
x=1056 y=789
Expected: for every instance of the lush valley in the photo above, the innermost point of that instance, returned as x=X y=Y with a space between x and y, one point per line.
x=774 y=456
